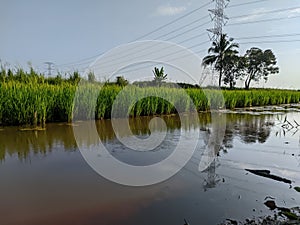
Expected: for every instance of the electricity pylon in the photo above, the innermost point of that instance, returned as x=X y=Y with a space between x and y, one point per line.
x=50 y=68
x=219 y=18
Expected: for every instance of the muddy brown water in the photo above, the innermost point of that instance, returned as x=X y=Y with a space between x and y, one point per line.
x=45 y=180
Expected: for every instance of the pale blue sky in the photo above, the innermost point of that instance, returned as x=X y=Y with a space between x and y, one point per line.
x=68 y=31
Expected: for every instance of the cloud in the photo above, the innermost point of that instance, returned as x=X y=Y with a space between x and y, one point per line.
x=167 y=10
x=294 y=12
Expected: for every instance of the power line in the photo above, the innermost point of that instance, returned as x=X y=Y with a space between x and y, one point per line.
x=145 y=35
x=189 y=30
x=268 y=36
x=168 y=39
x=193 y=37
x=266 y=42
x=81 y=60
x=155 y=51
x=79 y=64
x=180 y=28
x=146 y=66
x=196 y=45
x=173 y=21
x=261 y=21
x=246 y=3
x=89 y=59
x=266 y=12
x=153 y=64
x=147 y=47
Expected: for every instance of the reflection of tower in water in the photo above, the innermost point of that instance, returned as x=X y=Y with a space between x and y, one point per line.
x=213 y=140
x=211 y=180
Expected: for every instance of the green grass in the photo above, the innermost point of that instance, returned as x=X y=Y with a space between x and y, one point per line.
x=38 y=103
x=259 y=97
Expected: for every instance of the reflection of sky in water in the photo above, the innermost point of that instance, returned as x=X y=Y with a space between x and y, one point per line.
x=44 y=178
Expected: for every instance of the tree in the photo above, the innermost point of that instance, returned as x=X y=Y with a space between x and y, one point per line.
x=219 y=53
x=91 y=77
x=259 y=65
x=234 y=68
x=75 y=77
x=159 y=75
x=58 y=80
x=121 y=81
x=10 y=74
x=3 y=74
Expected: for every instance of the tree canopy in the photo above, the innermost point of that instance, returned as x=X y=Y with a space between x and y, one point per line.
x=255 y=65
x=159 y=74
x=259 y=64
x=234 y=69
x=220 y=54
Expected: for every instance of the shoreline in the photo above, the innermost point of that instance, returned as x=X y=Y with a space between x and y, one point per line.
x=257 y=110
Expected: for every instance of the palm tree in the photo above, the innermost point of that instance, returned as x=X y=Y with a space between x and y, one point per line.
x=219 y=52
x=159 y=75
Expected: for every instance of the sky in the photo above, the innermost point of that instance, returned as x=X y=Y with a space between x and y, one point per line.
x=71 y=34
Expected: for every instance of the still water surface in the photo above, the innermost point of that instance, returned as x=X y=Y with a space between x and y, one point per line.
x=45 y=180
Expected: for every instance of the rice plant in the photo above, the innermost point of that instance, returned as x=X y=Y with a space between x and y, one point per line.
x=35 y=103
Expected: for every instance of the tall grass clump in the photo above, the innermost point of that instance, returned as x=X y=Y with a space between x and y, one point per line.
x=29 y=103
x=105 y=99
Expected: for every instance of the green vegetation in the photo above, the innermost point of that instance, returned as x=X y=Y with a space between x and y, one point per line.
x=253 y=66
x=30 y=98
x=259 y=97
x=159 y=75
x=220 y=53
x=33 y=104
x=259 y=64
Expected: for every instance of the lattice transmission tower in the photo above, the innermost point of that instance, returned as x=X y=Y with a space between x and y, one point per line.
x=50 y=67
x=220 y=19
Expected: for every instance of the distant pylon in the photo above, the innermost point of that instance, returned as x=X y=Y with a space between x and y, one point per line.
x=50 y=64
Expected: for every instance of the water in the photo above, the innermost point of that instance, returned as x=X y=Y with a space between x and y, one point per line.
x=45 y=180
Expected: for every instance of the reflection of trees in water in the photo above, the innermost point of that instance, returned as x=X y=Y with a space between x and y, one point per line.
x=23 y=143
x=250 y=128
x=140 y=125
